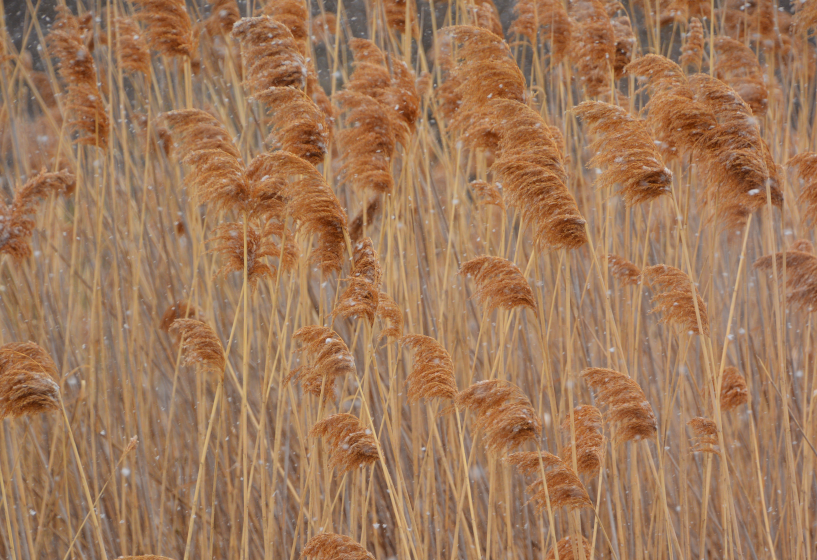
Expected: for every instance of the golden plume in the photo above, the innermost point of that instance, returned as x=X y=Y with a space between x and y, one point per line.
x=84 y=103
x=364 y=219
x=309 y=201
x=27 y=381
x=804 y=166
x=571 y=549
x=487 y=193
x=560 y=487
x=368 y=142
x=801 y=275
x=548 y=16
x=806 y=16
x=200 y=345
x=737 y=65
x=229 y=238
x=432 y=375
x=672 y=297
x=295 y=16
x=351 y=445
x=132 y=48
x=485 y=15
x=389 y=312
x=627 y=406
x=624 y=146
x=704 y=436
x=223 y=15
x=167 y=27
x=298 y=124
x=504 y=414
x=361 y=296
x=624 y=270
x=16 y=218
x=330 y=546
x=593 y=46
x=530 y=168
x=270 y=54
x=327 y=358
x=587 y=422
x=400 y=16
x=500 y=283
x=217 y=174
x=734 y=391
x=625 y=43
x=179 y=310
x=386 y=79
x=692 y=51
x=485 y=66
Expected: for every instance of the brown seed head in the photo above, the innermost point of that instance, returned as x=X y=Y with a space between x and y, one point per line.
x=737 y=65
x=801 y=275
x=330 y=546
x=804 y=166
x=327 y=358
x=734 y=391
x=548 y=19
x=624 y=147
x=704 y=435
x=360 y=298
x=571 y=549
x=624 y=270
x=587 y=423
x=627 y=406
x=131 y=46
x=692 y=52
x=432 y=375
x=560 y=487
x=487 y=193
x=298 y=124
x=485 y=15
x=229 y=239
x=499 y=282
x=200 y=345
x=270 y=54
x=672 y=297
x=351 y=445
x=593 y=46
x=503 y=412
x=167 y=27
x=389 y=312
x=364 y=219
x=27 y=381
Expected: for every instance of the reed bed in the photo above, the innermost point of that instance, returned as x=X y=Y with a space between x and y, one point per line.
x=408 y=280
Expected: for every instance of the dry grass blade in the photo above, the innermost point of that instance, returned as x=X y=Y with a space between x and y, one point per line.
x=672 y=297
x=624 y=270
x=624 y=147
x=704 y=436
x=327 y=358
x=389 y=312
x=734 y=391
x=627 y=406
x=432 y=375
x=330 y=546
x=571 y=549
x=27 y=381
x=200 y=345
x=504 y=414
x=167 y=27
x=500 y=283
x=217 y=175
x=361 y=296
x=587 y=424
x=299 y=125
x=351 y=445
x=270 y=54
